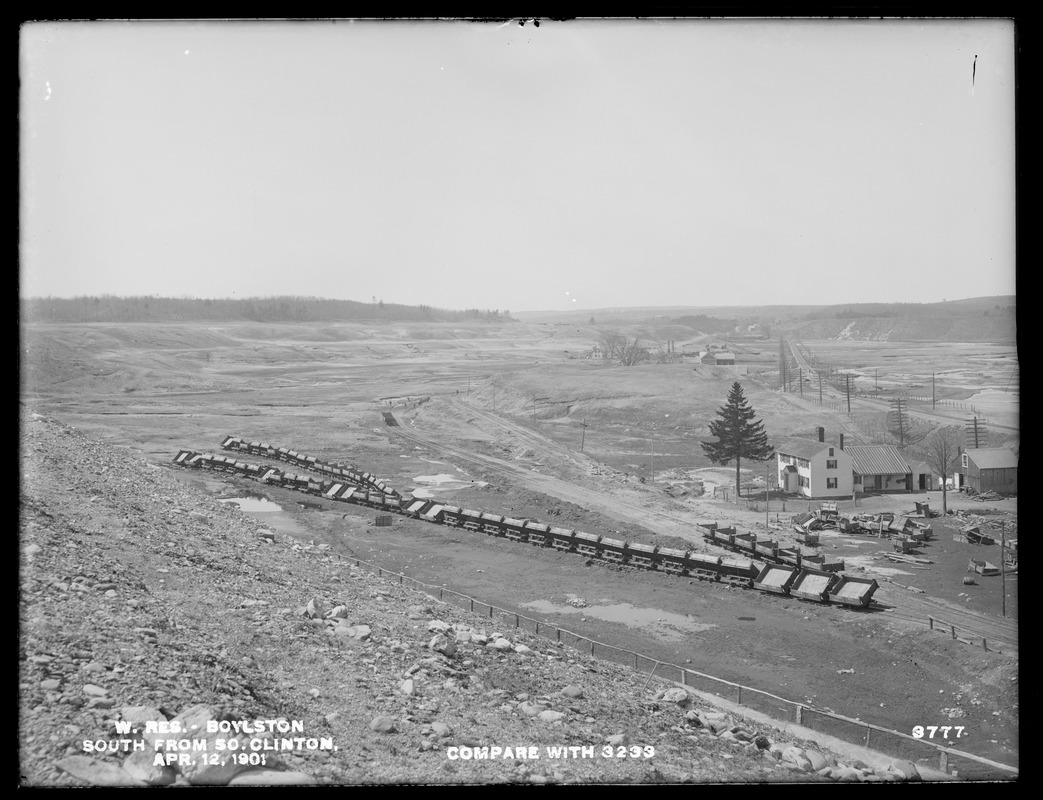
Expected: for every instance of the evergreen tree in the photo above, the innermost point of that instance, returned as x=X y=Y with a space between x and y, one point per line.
x=738 y=435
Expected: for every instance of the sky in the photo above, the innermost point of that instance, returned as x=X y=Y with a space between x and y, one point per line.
x=574 y=165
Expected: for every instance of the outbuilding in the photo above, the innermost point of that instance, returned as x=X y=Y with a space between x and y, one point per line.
x=990 y=469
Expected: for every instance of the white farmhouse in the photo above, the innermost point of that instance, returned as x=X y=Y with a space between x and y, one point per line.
x=813 y=469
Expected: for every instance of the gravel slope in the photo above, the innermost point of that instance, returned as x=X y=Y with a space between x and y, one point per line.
x=146 y=601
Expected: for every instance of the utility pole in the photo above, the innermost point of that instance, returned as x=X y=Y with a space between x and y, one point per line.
x=534 y=408
x=1003 y=563
x=876 y=381
x=820 y=388
x=848 y=376
x=653 y=454
x=801 y=369
x=767 y=497
x=583 y=435
x=932 y=392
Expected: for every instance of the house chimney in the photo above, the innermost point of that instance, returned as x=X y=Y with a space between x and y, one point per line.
x=821 y=434
x=841 y=441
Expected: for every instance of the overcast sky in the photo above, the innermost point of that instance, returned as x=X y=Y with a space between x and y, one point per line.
x=477 y=165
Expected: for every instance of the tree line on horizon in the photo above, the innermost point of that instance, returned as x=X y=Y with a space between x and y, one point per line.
x=113 y=308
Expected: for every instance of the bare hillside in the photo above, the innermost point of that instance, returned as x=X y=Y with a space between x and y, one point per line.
x=147 y=601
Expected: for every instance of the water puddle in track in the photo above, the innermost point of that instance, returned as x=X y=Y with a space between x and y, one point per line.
x=666 y=624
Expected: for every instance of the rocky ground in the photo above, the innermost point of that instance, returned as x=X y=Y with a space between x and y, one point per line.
x=147 y=602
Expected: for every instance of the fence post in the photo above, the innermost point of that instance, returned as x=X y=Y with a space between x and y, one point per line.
x=490 y=612
x=984 y=644
x=738 y=698
x=516 y=623
x=953 y=631
x=930 y=622
x=800 y=715
x=867 y=736
x=591 y=648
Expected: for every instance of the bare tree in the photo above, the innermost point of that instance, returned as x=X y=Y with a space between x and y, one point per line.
x=623 y=351
x=941 y=450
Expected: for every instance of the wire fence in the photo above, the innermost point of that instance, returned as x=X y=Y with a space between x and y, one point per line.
x=934 y=746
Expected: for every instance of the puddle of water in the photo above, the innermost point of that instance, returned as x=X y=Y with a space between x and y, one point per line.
x=254 y=505
x=666 y=624
x=442 y=483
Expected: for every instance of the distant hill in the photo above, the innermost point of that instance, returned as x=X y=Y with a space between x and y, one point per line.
x=111 y=308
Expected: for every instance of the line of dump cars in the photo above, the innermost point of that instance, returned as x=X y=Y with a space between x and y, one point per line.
x=810 y=576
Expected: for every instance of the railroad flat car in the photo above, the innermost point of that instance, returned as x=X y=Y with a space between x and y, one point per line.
x=231 y=443
x=585 y=543
x=746 y=542
x=182 y=456
x=615 y=551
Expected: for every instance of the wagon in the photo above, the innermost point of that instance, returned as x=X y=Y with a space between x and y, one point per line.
x=853 y=591
x=813 y=584
x=537 y=533
x=673 y=560
x=586 y=543
x=561 y=538
x=471 y=519
x=451 y=515
x=775 y=578
x=492 y=524
x=514 y=529
x=615 y=550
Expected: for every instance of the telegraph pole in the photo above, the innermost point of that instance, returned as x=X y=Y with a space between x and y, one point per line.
x=583 y=435
x=653 y=454
x=848 y=376
x=801 y=369
x=820 y=388
x=933 y=396
x=767 y=497
x=1002 y=561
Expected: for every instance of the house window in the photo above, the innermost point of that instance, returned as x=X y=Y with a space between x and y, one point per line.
x=831 y=452
x=802 y=481
x=966 y=461
x=803 y=462
x=857 y=480
x=831 y=464
x=831 y=483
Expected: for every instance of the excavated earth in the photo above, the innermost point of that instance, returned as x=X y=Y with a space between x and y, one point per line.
x=146 y=601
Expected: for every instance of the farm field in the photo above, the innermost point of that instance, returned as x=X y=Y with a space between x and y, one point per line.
x=511 y=418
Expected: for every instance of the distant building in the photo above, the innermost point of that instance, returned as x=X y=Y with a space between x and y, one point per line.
x=990 y=469
x=718 y=359
x=880 y=468
x=813 y=469
x=924 y=478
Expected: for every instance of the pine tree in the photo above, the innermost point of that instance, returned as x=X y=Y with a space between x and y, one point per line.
x=738 y=435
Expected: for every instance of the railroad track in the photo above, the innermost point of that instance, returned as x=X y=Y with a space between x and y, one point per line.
x=969 y=624
x=593 y=500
